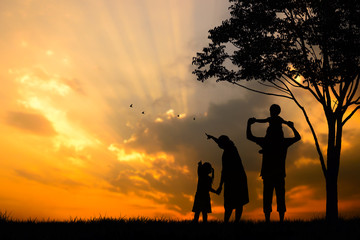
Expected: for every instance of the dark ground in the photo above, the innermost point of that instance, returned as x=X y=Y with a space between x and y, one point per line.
x=145 y=229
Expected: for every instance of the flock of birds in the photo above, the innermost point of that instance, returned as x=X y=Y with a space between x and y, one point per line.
x=131 y=105
x=143 y=112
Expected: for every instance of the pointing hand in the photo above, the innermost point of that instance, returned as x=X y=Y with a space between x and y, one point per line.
x=208 y=136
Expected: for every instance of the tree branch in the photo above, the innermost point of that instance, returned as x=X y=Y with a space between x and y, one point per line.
x=327 y=98
x=357 y=101
x=295 y=83
x=333 y=90
x=274 y=85
x=317 y=145
x=257 y=91
x=354 y=89
x=350 y=115
x=350 y=90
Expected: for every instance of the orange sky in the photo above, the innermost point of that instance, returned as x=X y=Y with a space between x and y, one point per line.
x=71 y=146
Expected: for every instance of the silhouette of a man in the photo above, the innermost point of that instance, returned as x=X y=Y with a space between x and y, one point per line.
x=273 y=167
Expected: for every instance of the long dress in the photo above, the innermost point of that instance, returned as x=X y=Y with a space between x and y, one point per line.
x=235 y=181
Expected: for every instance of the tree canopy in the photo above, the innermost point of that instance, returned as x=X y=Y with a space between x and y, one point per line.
x=319 y=40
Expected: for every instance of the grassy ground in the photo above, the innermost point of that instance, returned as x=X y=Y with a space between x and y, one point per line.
x=144 y=229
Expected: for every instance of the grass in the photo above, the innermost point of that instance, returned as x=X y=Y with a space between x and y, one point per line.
x=145 y=228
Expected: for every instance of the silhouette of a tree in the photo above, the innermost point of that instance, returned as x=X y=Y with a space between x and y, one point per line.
x=310 y=45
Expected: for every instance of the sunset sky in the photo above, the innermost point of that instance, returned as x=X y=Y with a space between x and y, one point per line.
x=71 y=146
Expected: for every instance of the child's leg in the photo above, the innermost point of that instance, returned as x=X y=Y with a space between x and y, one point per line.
x=204 y=214
x=196 y=216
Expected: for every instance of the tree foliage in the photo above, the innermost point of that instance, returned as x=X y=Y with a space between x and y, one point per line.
x=318 y=40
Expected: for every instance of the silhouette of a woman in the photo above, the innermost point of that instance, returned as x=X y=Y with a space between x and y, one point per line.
x=233 y=177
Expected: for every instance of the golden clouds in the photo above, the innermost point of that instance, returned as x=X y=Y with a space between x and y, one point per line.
x=123 y=156
x=149 y=161
x=300 y=192
x=49 y=94
x=36 y=80
x=302 y=161
x=30 y=122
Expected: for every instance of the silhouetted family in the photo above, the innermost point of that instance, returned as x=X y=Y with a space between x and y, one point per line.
x=233 y=177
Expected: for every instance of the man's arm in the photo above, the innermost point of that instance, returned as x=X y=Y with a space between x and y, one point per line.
x=265 y=120
x=249 y=134
x=297 y=136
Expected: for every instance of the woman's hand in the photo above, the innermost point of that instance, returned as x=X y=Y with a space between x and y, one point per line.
x=208 y=136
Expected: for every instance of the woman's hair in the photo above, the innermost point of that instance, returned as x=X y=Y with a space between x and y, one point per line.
x=225 y=141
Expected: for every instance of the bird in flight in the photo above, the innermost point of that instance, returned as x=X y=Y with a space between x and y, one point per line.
x=143 y=112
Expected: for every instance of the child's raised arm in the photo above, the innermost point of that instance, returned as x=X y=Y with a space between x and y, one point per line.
x=265 y=120
x=199 y=167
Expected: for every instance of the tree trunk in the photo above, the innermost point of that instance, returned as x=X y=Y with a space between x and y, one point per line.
x=331 y=198
x=333 y=164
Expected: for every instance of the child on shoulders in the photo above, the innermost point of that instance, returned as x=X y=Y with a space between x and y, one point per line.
x=274 y=131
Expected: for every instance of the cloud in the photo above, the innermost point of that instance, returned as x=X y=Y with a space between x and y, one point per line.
x=39 y=78
x=350 y=168
x=74 y=84
x=184 y=141
x=159 y=151
x=153 y=176
x=49 y=178
x=31 y=122
x=60 y=100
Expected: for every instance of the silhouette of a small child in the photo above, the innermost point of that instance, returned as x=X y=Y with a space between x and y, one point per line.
x=274 y=131
x=202 y=202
